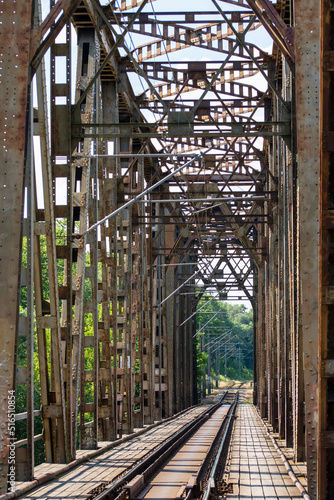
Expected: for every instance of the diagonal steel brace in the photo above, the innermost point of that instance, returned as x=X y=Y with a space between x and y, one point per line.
x=275 y=26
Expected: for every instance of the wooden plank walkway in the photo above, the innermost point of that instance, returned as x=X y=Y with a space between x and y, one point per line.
x=256 y=469
x=79 y=482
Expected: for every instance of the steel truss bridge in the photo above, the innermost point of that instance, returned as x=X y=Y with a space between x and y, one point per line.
x=153 y=154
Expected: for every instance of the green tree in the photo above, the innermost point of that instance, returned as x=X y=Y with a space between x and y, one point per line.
x=231 y=327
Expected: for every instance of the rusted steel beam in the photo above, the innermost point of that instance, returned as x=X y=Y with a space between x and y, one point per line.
x=275 y=26
x=50 y=424
x=307 y=88
x=39 y=46
x=110 y=111
x=16 y=27
x=111 y=53
x=24 y=456
x=60 y=124
x=83 y=377
x=326 y=353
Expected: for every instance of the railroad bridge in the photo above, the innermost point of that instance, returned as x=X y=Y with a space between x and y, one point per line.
x=154 y=154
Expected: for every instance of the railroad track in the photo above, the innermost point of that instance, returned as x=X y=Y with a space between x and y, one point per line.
x=186 y=466
x=236 y=386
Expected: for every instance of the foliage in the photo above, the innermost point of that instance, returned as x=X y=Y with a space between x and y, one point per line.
x=230 y=329
x=202 y=360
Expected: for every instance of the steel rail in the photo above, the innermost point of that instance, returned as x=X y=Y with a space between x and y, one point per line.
x=194 y=486
x=224 y=442
x=139 y=486
x=116 y=491
x=195 y=489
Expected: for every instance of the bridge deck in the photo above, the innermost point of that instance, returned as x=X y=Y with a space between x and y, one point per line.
x=256 y=469
x=79 y=482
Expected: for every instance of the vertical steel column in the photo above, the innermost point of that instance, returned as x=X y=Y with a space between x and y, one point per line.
x=16 y=27
x=124 y=244
x=307 y=37
x=138 y=264
x=47 y=308
x=147 y=333
x=326 y=296
x=177 y=353
x=61 y=151
x=158 y=314
x=24 y=456
x=273 y=284
x=209 y=363
x=170 y=304
x=106 y=416
x=281 y=331
x=261 y=341
x=187 y=354
x=84 y=307
x=106 y=106
x=255 y=339
x=204 y=366
x=158 y=310
x=268 y=330
x=110 y=113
